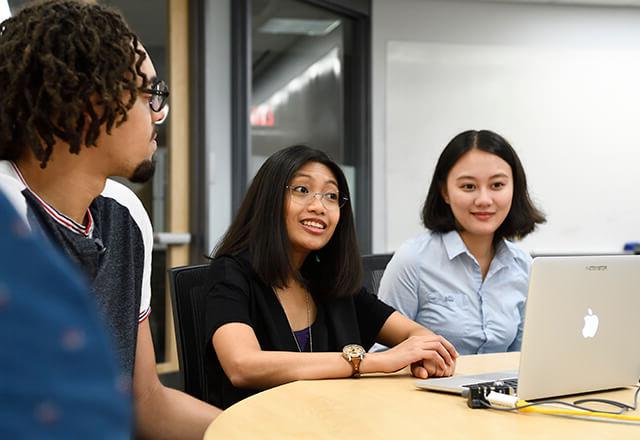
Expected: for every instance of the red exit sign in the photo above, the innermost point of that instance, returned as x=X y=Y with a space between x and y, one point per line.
x=262 y=116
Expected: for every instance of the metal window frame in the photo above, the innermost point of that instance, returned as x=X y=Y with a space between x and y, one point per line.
x=359 y=113
x=197 y=153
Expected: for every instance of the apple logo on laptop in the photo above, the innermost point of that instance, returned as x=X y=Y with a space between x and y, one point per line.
x=590 y=324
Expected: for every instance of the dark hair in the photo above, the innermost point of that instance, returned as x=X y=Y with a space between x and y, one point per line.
x=260 y=228
x=55 y=58
x=523 y=215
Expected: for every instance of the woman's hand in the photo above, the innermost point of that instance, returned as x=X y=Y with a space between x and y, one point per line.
x=428 y=355
x=428 y=368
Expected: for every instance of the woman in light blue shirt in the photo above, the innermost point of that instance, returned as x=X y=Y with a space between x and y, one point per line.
x=463 y=279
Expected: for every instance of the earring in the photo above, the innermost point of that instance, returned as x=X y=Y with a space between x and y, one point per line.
x=317 y=258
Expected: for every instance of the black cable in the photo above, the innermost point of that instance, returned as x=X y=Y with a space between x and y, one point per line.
x=623 y=406
x=576 y=405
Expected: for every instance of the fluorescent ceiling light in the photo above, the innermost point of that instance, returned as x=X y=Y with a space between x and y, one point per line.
x=330 y=63
x=299 y=26
x=4 y=10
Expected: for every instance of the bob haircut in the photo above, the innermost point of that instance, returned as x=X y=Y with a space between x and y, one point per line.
x=523 y=215
x=333 y=271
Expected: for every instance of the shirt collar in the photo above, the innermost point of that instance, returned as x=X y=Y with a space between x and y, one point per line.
x=455 y=246
x=60 y=218
x=504 y=253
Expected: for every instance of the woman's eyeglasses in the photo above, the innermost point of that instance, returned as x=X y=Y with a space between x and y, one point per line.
x=330 y=200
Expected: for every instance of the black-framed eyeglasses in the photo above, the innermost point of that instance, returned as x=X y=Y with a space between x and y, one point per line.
x=159 y=92
x=330 y=199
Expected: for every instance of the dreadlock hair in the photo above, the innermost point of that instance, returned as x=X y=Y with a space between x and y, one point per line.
x=66 y=68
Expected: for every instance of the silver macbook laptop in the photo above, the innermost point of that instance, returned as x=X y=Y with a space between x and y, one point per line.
x=581 y=330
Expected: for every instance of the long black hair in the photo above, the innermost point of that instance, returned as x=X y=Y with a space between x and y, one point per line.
x=259 y=228
x=523 y=215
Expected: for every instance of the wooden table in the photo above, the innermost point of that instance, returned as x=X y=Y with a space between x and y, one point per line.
x=390 y=406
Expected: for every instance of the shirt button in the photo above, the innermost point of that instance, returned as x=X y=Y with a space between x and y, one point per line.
x=73 y=340
x=47 y=413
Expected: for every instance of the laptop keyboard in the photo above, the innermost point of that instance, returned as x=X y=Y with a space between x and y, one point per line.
x=512 y=383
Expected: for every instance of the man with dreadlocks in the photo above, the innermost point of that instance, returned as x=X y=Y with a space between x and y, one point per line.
x=79 y=103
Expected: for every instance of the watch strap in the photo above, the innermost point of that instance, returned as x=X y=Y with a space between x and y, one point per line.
x=355 y=364
x=354 y=354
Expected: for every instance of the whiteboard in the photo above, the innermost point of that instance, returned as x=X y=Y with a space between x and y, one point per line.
x=571 y=114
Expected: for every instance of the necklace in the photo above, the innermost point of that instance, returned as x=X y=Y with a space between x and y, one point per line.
x=306 y=297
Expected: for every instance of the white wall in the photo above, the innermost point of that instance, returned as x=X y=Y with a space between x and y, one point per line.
x=562 y=83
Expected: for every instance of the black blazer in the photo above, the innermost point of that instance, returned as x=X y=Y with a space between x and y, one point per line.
x=236 y=294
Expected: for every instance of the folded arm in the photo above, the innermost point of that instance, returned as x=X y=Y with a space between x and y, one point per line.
x=430 y=354
x=247 y=366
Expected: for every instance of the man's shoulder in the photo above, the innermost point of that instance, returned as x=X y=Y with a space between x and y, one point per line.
x=121 y=194
x=126 y=198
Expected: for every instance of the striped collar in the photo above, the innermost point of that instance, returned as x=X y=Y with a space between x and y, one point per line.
x=60 y=218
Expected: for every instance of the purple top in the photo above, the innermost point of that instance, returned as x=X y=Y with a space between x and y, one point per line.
x=302 y=336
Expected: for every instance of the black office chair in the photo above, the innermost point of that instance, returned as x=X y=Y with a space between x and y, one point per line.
x=187 y=295
x=374 y=266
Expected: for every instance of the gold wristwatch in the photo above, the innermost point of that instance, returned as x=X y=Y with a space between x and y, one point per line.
x=354 y=354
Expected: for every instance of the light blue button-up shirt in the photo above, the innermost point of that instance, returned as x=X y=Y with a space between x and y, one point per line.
x=434 y=280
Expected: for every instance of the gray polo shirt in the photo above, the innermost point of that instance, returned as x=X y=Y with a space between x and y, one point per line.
x=113 y=248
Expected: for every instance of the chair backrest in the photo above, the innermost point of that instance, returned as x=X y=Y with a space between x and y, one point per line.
x=374 y=266
x=187 y=296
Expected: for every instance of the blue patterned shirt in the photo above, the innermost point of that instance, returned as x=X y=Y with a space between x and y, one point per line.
x=58 y=373
x=435 y=280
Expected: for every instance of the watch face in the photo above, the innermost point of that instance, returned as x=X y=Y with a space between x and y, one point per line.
x=353 y=350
